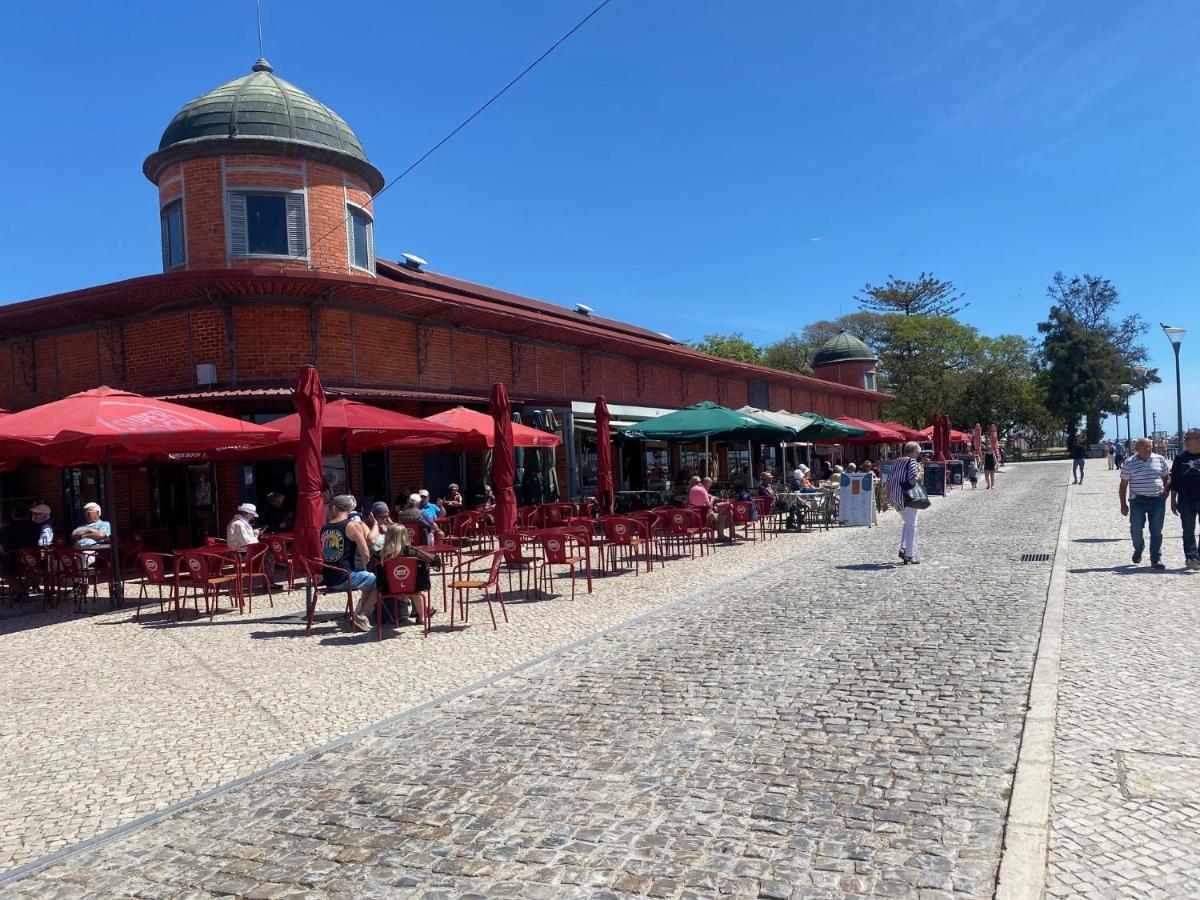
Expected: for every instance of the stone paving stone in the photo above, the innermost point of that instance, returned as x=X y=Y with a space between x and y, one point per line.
x=1129 y=691
x=837 y=724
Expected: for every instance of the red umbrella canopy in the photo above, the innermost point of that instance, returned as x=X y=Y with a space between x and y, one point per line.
x=309 y=400
x=909 y=434
x=604 y=479
x=478 y=433
x=350 y=426
x=84 y=426
x=503 y=466
x=977 y=439
x=876 y=432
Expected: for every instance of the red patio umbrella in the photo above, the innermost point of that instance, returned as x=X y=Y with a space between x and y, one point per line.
x=348 y=426
x=604 y=481
x=309 y=400
x=909 y=434
x=876 y=432
x=478 y=433
x=977 y=439
x=104 y=425
x=994 y=440
x=503 y=466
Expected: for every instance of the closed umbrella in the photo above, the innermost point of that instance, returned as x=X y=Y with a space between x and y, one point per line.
x=503 y=468
x=550 y=423
x=532 y=478
x=605 y=494
x=994 y=440
x=309 y=400
x=977 y=439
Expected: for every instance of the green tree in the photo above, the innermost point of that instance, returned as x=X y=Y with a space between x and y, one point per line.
x=869 y=327
x=790 y=354
x=1002 y=387
x=729 y=346
x=1111 y=352
x=924 y=362
x=927 y=296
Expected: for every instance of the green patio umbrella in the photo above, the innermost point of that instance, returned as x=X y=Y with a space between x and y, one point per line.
x=823 y=429
x=708 y=420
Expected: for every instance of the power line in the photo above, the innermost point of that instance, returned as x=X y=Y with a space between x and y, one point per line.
x=467 y=121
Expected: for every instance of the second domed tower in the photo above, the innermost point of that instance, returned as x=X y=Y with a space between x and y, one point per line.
x=256 y=172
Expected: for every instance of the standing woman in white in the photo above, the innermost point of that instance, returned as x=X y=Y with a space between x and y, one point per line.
x=903 y=474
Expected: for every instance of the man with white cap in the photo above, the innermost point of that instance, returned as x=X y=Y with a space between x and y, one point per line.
x=40 y=513
x=94 y=530
x=429 y=506
x=240 y=533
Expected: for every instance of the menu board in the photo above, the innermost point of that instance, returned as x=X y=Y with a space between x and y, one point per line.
x=856 y=499
x=935 y=479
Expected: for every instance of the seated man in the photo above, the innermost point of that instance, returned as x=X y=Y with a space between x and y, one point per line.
x=344 y=546
x=453 y=501
x=699 y=498
x=275 y=516
x=94 y=531
x=428 y=506
x=40 y=514
x=240 y=533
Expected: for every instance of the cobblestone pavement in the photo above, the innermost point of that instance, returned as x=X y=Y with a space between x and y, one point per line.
x=1125 y=802
x=835 y=725
x=104 y=719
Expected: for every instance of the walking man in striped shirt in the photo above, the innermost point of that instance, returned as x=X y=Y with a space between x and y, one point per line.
x=1145 y=480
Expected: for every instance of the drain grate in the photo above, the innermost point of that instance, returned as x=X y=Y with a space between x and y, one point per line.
x=1035 y=557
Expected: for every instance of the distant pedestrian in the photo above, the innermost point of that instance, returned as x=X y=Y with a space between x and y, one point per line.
x=1185 y=493
x=1145 y=480
x=1109 y=452
x=902 y=474
x=973 y=471
x=989 y=467
x=1119 y=454
x=1078 y=455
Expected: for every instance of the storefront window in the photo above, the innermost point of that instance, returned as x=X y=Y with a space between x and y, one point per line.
x=657 y=461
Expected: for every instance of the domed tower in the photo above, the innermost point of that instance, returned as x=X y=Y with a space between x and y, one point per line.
x=256 y=172
x=846 y=360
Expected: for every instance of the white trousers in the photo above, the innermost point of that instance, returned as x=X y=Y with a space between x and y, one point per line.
x=908 y=537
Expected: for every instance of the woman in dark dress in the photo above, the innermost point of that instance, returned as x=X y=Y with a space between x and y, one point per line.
x=989 y=467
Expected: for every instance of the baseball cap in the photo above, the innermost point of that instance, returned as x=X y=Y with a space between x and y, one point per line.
x=344 y=501
x=414 y=498
x=40 y=509
x=379 y=508
x=424 y=492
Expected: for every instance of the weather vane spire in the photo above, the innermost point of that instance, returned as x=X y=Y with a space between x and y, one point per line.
x=258 y=9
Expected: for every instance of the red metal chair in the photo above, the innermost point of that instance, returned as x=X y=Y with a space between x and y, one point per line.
x=563 y=548
x=555 y=515
x=587 y=508
x=130 y=549
x=156 y=569
x=281 y=553
x=743 y=517
x=515 y=560
x=82 y=569
x=314 y=570
x=625 y=537
x=255 y=566
x=682 y=531
x=489 y=585
x=464 y=528
x=529 y=517
x=401 y=575
x=204 y=572
x=33 y=567
x=768 y=519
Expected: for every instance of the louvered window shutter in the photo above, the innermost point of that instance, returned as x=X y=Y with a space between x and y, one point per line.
x=370 y=245
x=166 y=240
x=296 y=232
x=350 y=236
x=238 y=241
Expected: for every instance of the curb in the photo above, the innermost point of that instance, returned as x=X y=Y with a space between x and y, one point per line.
x=1026 y=847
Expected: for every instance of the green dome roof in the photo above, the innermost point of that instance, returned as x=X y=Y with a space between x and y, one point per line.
x=845 y=347
x=261 y=113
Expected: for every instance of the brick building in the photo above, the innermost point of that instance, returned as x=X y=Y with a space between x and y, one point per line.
x=269 y=263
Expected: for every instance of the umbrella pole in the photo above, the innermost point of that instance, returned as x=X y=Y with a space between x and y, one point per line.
x=707 y=467
x=349 y=466
x=114 y=542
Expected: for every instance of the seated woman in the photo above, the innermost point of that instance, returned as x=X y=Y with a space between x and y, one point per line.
x=398 y=542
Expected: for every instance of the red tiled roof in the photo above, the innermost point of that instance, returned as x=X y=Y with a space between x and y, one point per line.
x=416 y=295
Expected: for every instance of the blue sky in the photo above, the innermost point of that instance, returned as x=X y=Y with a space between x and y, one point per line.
x=688 y=166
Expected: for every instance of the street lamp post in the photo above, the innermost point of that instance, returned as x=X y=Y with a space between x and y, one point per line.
x=1141 y=373
x=1116 y=399
x=1128 y=389
x=1175 y=336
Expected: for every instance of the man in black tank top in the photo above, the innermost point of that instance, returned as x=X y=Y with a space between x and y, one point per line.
x=344 y=546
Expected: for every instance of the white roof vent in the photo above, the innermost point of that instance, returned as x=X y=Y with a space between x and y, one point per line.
x=665 y=335
x=413 y=262
x=583 y=308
